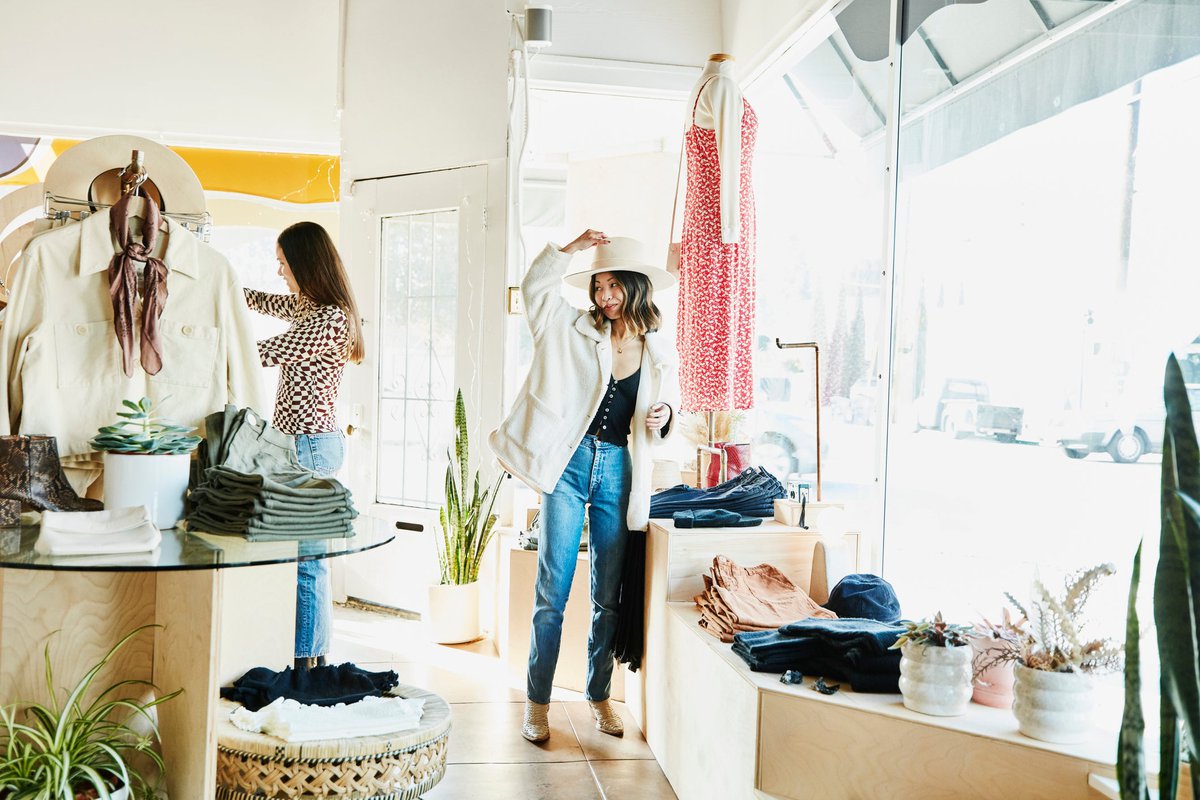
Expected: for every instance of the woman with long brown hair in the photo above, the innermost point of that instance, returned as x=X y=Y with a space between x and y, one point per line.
x=324 y=334
x=598 y=396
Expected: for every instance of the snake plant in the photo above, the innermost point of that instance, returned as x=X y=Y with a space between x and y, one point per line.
x=1176 y=614
x=466 y=528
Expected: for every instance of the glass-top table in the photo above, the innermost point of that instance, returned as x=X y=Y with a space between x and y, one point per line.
x=193 y=550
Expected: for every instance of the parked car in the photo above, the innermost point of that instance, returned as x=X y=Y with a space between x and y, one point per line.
x=1125 y=436
x=783 y=426
x=863 y=395
x=1125 y=440
x=964 y=408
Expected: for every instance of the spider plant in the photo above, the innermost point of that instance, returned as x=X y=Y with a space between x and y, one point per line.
x=56 y=750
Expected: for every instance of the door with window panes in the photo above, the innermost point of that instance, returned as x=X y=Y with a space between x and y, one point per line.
x=416 y=247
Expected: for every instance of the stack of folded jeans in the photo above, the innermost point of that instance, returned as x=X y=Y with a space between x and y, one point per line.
x=761 y=598
x=752 y=493
x=248 y=481
x=848 y=649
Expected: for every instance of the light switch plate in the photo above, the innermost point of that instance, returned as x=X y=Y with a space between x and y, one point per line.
x=515 y=304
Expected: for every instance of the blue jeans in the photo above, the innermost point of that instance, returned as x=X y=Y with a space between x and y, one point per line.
x=598 y=474
x=323 y=454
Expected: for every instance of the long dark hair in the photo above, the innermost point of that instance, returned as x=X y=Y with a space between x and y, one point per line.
x=639 y=312
x=321 y=276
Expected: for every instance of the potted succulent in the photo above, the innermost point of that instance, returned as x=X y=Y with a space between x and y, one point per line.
x=1054 y=661
x=81 y=748
x=935 y=666
x=993 y=680
x=146 y=460
x=466 y=530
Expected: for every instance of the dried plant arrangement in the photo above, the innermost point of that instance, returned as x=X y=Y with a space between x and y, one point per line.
x=1051 y=636
x=727 y=426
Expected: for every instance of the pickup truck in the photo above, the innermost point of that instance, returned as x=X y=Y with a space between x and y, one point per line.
x=963 y=409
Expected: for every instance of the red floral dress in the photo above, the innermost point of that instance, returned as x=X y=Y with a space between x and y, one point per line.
x=716 y=280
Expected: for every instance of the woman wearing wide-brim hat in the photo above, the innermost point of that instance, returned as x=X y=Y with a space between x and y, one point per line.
x=599 y=393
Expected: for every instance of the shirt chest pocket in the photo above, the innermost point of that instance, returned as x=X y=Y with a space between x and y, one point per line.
x=86 y=353
x=189 y=354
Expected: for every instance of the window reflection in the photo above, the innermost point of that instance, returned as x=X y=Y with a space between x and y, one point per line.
x=1044 y=271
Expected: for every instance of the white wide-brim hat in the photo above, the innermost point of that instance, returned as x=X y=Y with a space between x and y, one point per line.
x=88 y=171
x=621 y=254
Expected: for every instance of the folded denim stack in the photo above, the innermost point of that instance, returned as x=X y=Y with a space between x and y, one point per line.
x=115 y=530
x=752 y=493
x=761 y=598
x=848 y=649
x=248 y=481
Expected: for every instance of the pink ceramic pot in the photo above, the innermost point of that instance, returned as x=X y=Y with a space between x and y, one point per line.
x=993 y=687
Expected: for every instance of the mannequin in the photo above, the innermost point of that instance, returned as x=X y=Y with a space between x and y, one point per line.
x=719 y=108
x=717 y=250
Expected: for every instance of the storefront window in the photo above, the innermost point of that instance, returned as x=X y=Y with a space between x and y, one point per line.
x=1045 y=267
x=819 y=185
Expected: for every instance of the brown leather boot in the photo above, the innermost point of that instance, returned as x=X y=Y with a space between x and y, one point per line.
x=31 y=472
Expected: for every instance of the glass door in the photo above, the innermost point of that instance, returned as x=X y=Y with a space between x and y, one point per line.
x=415 y=248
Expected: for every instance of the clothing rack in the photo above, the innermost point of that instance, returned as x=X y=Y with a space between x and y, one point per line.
x=132 y=177
x=198 y=224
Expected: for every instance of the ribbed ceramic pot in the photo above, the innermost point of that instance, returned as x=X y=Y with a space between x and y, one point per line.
x=936 y=680
x=1052 y=706
x=993 y=686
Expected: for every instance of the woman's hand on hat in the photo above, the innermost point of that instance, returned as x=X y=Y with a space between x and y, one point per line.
x=588 y=238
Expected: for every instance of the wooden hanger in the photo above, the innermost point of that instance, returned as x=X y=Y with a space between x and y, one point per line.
x=721 y=57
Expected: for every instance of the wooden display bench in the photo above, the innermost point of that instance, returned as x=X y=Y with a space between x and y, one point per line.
x=720 y=730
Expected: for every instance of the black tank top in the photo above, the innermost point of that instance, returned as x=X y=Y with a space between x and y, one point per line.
x=613 y=418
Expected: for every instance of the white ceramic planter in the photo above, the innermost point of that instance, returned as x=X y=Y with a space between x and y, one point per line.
x=936 y=680
x=158 y=482
x=453 y=613
x=1052 y=706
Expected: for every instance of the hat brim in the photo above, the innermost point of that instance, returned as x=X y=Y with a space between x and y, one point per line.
x=73 y=173
x=659 y=278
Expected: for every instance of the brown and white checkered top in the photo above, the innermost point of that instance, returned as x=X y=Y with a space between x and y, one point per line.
x=311 y=355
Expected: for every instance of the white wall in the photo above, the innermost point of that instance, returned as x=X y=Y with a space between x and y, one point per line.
x=425 y=85
x=246 y=75
x=755 y=31
x=681 y=32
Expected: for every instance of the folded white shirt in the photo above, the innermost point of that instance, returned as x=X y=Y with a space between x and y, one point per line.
x=110 y=520
x=116 y=530
x=296 y=722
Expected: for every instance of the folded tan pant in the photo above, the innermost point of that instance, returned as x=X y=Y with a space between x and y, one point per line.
x=759 y=598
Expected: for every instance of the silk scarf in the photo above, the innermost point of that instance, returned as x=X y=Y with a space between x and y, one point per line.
x=122 y=285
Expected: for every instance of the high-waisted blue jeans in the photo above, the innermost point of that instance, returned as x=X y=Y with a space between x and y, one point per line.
x=323 y=454
x=598 y=475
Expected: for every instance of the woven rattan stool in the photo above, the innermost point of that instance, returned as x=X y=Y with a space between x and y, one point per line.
x=400 y=766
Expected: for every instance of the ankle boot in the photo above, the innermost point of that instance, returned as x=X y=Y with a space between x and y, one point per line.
x=607 y=719
x=31 y=472
x=536 y=726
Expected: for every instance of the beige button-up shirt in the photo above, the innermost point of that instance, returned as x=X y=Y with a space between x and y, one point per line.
x=59 y=352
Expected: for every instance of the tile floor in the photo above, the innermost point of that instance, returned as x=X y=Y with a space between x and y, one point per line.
x=488 y=758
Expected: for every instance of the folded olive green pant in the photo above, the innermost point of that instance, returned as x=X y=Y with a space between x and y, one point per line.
x=249 y=481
